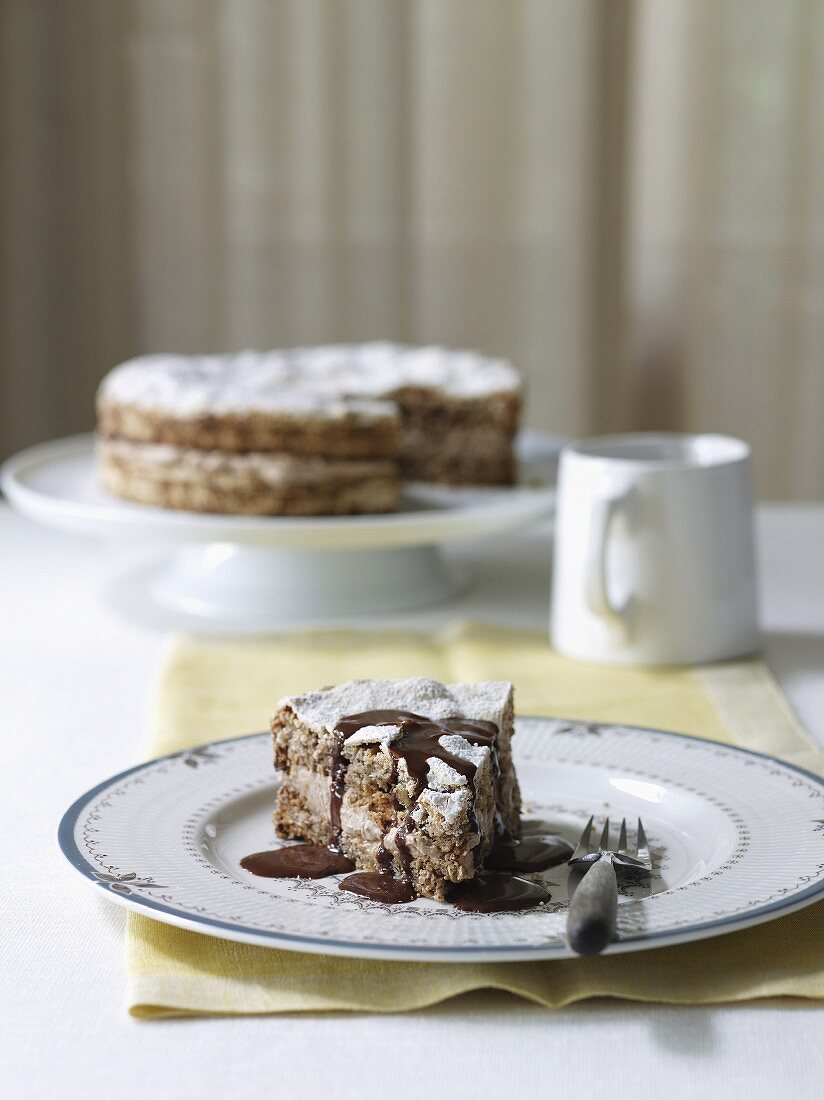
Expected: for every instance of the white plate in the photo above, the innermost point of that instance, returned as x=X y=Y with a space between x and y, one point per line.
x=56 y=484
x=738 y=839
x=253 y=573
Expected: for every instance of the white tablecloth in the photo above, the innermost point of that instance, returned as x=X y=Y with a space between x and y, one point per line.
x=76 y=678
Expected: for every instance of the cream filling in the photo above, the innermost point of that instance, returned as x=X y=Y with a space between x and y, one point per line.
x=316 y=793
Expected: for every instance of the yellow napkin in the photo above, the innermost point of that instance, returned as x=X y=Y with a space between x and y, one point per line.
x=211 y=689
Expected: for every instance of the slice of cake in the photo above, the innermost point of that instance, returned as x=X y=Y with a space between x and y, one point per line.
x=410 y=777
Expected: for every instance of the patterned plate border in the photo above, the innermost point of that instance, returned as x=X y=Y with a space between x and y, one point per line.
x=120 y=888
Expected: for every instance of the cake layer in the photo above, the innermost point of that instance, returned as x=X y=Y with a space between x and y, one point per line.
x=245 y=484
x=410 y=777
x=314 y=426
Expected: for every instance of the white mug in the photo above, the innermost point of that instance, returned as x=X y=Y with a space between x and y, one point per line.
x=654 y=550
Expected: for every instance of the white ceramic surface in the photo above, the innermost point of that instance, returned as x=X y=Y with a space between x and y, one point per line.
x=655 y=560
x=736 y=838
x=250 y=573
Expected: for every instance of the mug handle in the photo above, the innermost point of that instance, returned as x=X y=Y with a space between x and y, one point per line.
x=596 y=587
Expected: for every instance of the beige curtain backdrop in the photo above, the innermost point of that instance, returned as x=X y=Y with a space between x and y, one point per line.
x=626 y=198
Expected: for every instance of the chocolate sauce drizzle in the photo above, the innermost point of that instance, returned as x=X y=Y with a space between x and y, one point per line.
x=419 y=741
x=338 y=762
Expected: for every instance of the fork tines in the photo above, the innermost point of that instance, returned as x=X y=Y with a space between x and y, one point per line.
x=587 y=847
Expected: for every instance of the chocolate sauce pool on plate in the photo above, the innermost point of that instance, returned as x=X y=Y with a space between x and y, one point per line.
x=297 y=861
x=493 y=892
x=536 y=826
x=378 y=886
x=532 y=853
x=489 y=892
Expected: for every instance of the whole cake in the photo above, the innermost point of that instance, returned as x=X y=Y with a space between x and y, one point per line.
x=310 y=431
x=410 y=778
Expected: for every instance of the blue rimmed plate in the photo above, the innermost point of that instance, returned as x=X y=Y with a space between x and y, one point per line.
x=738 y=839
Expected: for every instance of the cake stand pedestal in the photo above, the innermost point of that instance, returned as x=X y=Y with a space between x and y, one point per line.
x=252 y=573
x=224 y=582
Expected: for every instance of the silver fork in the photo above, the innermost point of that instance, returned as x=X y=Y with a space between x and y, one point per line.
x=593 y=907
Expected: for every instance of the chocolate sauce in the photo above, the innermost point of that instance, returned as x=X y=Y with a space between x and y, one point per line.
x=378 y=886
x=402 y=848
x=496 y=893
x=297 y=861
x=418 y=742
x=535 y=826
x=502 y=834
x=338 y=763
x=383 y=858
x=533 y=853
x=354 y=722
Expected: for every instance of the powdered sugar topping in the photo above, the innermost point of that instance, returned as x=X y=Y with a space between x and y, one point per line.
x=329 y=381
x=484 y=701
x=372 y=735
x=448 y=804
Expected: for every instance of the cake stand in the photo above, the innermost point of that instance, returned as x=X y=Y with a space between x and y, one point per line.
x=254 y=572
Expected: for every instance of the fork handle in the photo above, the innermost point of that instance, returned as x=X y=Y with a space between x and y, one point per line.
x=593 y=910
